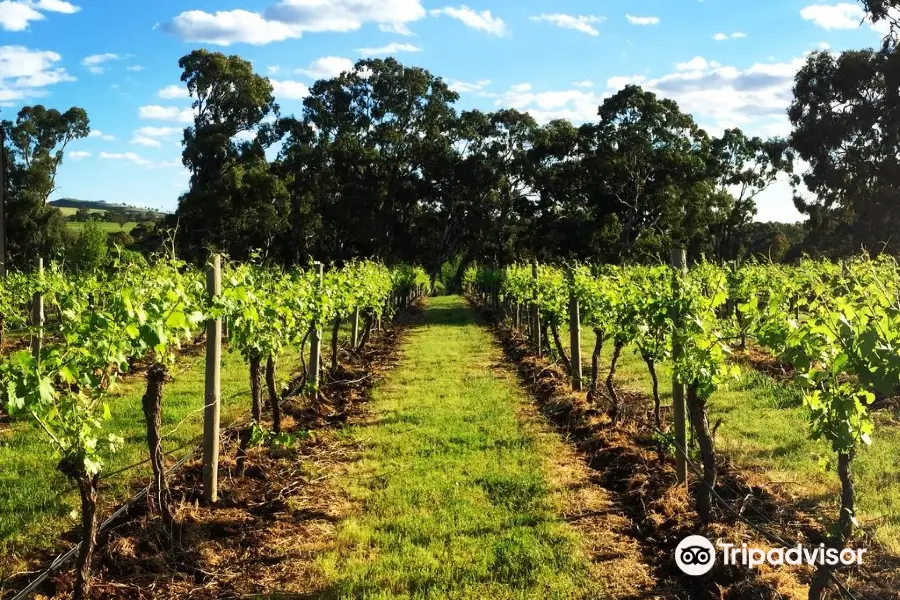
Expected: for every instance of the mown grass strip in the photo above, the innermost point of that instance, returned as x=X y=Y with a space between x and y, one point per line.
x=455 y=503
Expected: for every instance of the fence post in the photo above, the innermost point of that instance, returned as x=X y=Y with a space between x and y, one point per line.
x=212 y=398
x=574 y=334
x=315 y=350
x=355 y=333
x=535 y=313
x=37 y=313
x=679 y=262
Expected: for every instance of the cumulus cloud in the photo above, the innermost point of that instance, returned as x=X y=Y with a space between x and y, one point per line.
x=582 y=23
x=77 y=154
x=482 y=21
x=464 y=86
x=326 y=67
x=172 y=114
x=291 y=19
x=392 y=48
x=172 y=92
x=642 y=20
x=134 y=68
x=839 y=16
x=737 y=35
x=24 y=73
x=585 y=83
x=289 y=90
x=576 y=105
x=94 y=62
x=152 y=137
x=15 y=15
x=96 y=133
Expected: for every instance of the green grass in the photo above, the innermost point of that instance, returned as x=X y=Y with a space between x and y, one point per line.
x=765 y=428
x=455 y=502
x=69 y=211
x=36 y=504
x=106 y=226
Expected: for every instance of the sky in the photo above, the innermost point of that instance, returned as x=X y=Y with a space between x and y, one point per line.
x=730 y=63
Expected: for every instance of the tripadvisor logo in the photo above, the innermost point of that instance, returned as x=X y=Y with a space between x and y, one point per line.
x=696 y=555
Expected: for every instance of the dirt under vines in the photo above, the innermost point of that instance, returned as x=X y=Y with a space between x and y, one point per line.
x=270 y=523
x=626 y=463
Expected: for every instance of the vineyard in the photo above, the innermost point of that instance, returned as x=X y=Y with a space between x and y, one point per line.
x=88 y=334
x=823 y=334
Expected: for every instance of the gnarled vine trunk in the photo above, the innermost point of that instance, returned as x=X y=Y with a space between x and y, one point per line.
x=599 y=337
x=367 y=332
x=845 y=524
x=274 y=400
x=256 y=387
x=700 y=421
x=560 y=349
x=152 y=405
x=88 y=486
x=616 y=408
x=651 y=366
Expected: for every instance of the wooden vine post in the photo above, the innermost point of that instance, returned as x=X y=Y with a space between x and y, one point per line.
x=679 y=263
x=212 y=398
x=37 y=313
x=315 y=350
x=574 y=334
x=535 y=313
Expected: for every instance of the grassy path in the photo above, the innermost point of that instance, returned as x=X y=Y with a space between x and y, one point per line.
x=453 y=482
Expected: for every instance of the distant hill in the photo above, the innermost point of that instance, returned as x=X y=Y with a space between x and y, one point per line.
x=73 y=203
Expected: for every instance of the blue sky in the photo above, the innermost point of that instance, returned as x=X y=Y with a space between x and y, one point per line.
x=727 y=62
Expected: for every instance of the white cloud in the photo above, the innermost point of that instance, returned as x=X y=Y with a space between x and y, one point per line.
x=151 y=136
x=139 y=160
x=580 y=23
x=291 y=19
x=15 y=15
x=462 y=86
x=586 y=83
x=78 y=154
x=483 y=21
x=172 y=92
x=172 y=114
x=290 y=90
x=327 y=67
x=96 y=133
x=575 y=105
x=642 y=20
x=698 y=63
x=272 y=69
x=24 y=72
x=737 y=35
x=392 y=48
x=134 y=68
x=93 y=62
x=839 y=16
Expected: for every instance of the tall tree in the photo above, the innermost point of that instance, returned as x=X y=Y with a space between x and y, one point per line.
x=37 y=141
x=846 y=117
x=235 y=202
x=743 y=168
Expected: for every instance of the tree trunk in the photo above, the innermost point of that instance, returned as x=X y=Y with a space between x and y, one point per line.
x=152 y=404
x=335 y=338
x=560 y=349
x=595 y=364
x=845 y=524
x=700 y=423
x=273 y=395
x=367 y=332
x=651 y=366
x=256 y=387
x=88 y=486
x=610 y=383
